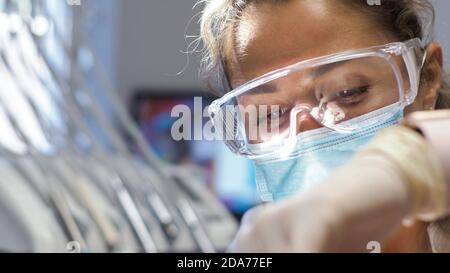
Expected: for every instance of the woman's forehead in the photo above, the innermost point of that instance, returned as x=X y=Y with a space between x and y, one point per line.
x=268 y=36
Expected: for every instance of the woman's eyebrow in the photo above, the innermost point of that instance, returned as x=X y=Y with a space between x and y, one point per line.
x=324 y=69
x=269 y=88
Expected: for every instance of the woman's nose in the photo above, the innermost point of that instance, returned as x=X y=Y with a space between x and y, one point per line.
x=305 y=122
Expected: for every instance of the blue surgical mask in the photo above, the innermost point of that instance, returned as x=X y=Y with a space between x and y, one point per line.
x=318 y=153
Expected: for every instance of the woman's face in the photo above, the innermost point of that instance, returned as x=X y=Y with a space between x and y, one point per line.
x=271 y=36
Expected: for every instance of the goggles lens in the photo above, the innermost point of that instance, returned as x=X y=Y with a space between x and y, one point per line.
x=307 y=96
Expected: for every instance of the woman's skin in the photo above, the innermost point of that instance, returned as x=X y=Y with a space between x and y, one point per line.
x=271 y=36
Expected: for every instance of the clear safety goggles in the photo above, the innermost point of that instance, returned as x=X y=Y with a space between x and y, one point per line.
x=328 y=91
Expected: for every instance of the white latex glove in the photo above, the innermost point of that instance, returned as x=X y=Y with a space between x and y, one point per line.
x=362 y=202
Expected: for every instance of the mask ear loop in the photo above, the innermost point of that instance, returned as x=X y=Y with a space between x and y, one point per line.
x=424 y=60
x=420 y=70
x=422 y=65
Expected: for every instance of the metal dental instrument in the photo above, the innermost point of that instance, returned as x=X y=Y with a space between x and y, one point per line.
x=122 y=192
x=131 y=214
x=157 y=204
x=56 y=195
x=90 y=133
x=183 y=205
x=105 y=225
x=80 y=187
x=134 y=216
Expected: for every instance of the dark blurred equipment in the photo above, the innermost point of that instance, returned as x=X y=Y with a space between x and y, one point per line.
x=76 y=171
x=152 y=110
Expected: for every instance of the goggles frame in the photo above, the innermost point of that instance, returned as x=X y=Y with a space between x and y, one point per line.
x=411 y=51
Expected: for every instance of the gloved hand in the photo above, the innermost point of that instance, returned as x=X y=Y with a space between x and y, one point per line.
x=297 y=225
x=362 y=202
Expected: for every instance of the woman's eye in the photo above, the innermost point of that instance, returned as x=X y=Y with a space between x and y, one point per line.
x=353 y=94
x=274 y=115
x=278 y=113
